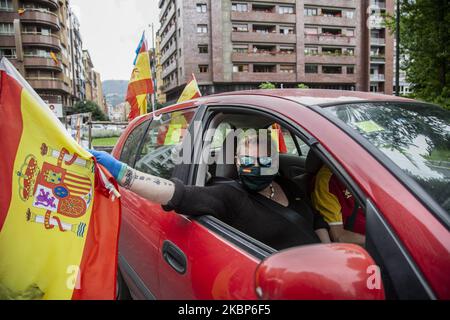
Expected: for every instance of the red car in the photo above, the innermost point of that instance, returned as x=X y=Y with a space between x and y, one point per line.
x=392 y=154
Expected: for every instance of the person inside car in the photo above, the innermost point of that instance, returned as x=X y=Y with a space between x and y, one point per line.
x=250 y=206
x=338 y=207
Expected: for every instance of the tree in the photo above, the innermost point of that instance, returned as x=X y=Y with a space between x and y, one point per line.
x=267 y=85
x=302 y=86
x=425 y=48
x=86 y=107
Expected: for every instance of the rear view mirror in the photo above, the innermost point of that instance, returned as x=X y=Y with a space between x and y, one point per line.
x=320 y=272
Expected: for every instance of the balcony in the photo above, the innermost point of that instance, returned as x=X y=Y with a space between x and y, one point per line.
x=51 y=41
x=377 y=41
x=377 y=78
x=171 y=85
x=167 y=37
x=330 y=59
x=263 y=37
x=324 y=39
x=251 y=57
x=329 y=78
x=51 y=3
x=168 y=53
x=48 y=84
x=169 y=70
x=264 y=76
x=41 y=16
x=377 y=58
x=170 y=14
x=330 y=21
x=41 y=63
x=263 y=17
x=336 y=3
x=7 y=40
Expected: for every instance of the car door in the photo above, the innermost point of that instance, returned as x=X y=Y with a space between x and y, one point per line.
x=139 y=234
x=203 y=258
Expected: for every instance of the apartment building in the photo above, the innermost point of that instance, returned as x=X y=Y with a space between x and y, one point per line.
x=42 y=39
x=31 y=32
x=234 y=45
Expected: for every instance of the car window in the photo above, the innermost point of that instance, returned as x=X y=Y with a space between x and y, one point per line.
x=130 y=148
x=163 y=136
x=220 y=135
x=415 y=137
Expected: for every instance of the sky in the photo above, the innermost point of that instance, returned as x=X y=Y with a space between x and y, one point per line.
x=111 y=30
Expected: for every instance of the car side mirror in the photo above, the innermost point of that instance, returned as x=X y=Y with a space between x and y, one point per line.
x=320 y=272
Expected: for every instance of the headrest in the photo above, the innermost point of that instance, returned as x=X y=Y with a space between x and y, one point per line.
x=313 y=163
x=226 y=162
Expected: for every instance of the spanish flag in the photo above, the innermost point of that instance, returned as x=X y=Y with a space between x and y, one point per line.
x=141 y=83
x=59 y=222
x=192 y=91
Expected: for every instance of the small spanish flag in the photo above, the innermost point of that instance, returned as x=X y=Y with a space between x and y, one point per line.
x=54 y=57
x=59 y=226
x=141 y=83
x=192 y=91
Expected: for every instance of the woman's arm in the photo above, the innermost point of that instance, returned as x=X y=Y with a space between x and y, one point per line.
x=155 y=189
x=152 y=188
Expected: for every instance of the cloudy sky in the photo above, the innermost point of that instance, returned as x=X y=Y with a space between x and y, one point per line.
x=111 y=30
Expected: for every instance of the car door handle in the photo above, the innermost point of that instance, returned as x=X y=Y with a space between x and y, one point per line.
x=174 y=257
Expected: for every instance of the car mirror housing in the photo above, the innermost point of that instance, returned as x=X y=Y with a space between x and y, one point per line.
x=320 y=272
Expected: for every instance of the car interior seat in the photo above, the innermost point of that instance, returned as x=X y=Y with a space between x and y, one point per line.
x=226 y=161
x=312 y=166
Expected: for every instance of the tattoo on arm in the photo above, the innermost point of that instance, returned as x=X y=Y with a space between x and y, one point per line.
x=130 y=176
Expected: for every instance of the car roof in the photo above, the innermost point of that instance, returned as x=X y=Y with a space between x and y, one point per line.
x=318 y=97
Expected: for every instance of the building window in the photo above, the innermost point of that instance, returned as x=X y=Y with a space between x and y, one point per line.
x=239 y=7
x=240 y=27
x=9 y=53
x=349 y=51
x=6 y=5
x=6 y=28
x=311 y=68
x=349 y=14
x=350 y=70
x=332 y=13
x=203 y=68
x=286 y=30
x=311 y=51
x=261 y=68
x=331 y=51
x=331 y=32
x=286 y=10
x=202 y=28
x=240 y=48
x=287 y=49
x=332 y=69
x=289 y=68
x=240 y=68
x=201 y=7
x=309 y=12
x=202 y=48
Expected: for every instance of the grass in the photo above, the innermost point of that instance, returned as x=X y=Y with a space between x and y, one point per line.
x=105 y=142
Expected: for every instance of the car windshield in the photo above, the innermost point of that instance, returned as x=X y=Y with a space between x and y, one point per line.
x=416 y=137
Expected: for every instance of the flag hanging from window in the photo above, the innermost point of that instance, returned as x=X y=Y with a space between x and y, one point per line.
x=59 y=223
x=192 y=91
x=141 y=83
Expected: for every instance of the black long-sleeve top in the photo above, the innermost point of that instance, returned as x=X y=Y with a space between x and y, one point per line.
x=243 y=211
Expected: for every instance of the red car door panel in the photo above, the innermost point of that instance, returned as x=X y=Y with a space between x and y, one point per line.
x=216 y=269
x=139 y=241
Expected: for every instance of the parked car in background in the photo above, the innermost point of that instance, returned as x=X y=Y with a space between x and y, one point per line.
x=392 y=154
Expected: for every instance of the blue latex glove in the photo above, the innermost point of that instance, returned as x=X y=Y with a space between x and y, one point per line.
x=115 y=167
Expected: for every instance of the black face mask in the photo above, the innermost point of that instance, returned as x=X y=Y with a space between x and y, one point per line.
x=252 y=179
